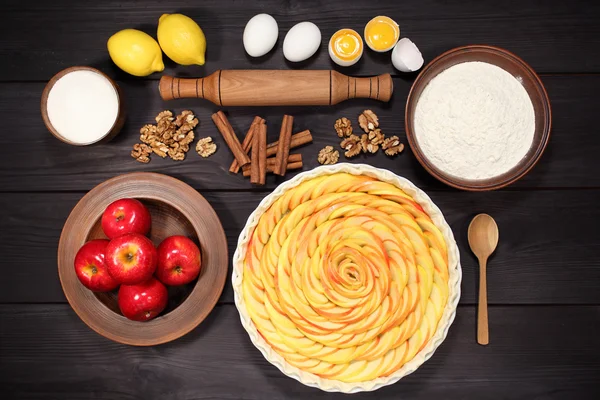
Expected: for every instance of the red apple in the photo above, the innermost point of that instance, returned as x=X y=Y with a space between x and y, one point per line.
x=131 y=258
x=91 y=268
x=143 y=301
x=125 y=216
x=178 y=261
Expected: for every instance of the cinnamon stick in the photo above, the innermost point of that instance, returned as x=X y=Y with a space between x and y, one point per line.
x=291 y=166
x=231 y=139
x=298 y=139
x=262 y=153
x=255 y=164
x=271 y=162
x=283 y=147
x=246 y=144
x=292 y=158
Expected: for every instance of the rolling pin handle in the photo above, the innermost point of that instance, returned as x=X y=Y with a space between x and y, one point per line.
x=378 y=87
x=165 y=87
x=178 y=88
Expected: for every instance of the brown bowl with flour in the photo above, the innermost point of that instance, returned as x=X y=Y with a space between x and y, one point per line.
x=446 y=163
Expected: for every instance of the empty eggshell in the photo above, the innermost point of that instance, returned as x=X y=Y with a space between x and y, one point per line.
x=260 y=35
x=301 y=42
x=406 y=57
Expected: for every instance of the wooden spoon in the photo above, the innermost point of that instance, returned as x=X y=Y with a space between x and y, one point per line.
x=483 y=239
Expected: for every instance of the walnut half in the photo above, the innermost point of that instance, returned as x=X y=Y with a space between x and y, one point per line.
x=376 y=137
x=328 y=156
x=368 y=121
x=141 y=152
x=186 y=121
x=166 y=115
x=343 y=127
x=352 y=146
x=205 y=147
x=392 y=146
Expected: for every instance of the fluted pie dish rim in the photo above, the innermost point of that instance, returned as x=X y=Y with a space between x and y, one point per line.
x=454 y=280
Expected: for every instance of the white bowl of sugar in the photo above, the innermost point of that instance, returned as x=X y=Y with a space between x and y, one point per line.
x=82 y=106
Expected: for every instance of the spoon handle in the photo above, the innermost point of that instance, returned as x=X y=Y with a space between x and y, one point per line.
x=482 y=311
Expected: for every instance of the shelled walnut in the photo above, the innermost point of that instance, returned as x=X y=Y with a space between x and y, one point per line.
x=368 y=121
x=372 y=148
x=164 y=115
x=364 y=142
x=343 y=127
x=328 y=156
x=392 y=146
x=352 y=146
x=205 y=147
x=171 y=136
x=141 y=152
x=186 y=118
x=376 y=137
x=160 y=149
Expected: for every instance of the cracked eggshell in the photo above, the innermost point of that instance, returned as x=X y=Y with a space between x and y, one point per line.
x=406 y=57
x=301 y=42
x=260 y=35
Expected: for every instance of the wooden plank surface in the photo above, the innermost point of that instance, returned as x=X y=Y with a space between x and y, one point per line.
x=48 y=353
x=543 y=281
x=553 y=36
x=545 y=255
x=36 y=161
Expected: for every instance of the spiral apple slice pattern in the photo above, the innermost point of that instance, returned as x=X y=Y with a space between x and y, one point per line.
x=346 y=277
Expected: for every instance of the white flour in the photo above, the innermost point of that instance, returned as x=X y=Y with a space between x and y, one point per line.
x=474 y=121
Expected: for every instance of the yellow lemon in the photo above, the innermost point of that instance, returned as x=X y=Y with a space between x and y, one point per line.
x=135 y=52
x=181 y=39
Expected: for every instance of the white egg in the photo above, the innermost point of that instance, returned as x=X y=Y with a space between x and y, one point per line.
x=406 y=57
x=260 y=35
x=301 y=42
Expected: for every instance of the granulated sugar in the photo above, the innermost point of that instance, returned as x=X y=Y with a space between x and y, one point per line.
x=474 y=121
x=83 y=106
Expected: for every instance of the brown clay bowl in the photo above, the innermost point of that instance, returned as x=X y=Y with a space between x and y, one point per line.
x=176 y=209
x=520 y=70
x=114 y=130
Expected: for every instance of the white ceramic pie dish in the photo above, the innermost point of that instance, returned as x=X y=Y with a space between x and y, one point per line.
x=454 y=270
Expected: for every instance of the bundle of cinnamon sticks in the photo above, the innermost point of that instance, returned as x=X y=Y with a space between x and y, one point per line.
x=254 y=156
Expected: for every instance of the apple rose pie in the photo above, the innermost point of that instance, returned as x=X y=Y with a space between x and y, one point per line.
x=346 y=277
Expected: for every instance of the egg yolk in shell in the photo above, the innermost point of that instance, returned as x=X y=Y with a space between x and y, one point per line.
x=347 y=44
x=382 y=33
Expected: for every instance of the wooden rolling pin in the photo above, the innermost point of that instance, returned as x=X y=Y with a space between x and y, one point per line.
x=277 y=88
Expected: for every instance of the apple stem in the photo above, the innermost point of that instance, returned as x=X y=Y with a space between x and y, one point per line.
x=178 y=269
x=94 y=270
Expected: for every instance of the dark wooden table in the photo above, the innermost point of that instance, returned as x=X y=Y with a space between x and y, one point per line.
x=544 y=280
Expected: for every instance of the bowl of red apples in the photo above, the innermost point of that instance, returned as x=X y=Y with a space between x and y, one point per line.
x=142 y=259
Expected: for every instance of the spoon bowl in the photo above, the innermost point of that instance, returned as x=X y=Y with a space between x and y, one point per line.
x=483 y=236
